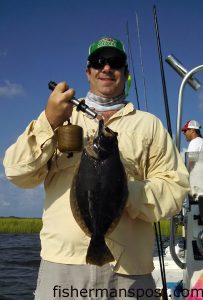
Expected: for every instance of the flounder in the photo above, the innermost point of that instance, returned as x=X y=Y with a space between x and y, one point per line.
x=99 y=193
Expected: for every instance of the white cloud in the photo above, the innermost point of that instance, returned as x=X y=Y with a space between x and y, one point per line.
x=4 y=203
x=15 y=201
x=10 y=90
x=20 y=202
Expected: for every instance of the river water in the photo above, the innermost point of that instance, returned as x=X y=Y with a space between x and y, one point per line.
x=19 y=263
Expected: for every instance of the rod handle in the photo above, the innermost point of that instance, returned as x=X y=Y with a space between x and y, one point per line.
x=80 y=104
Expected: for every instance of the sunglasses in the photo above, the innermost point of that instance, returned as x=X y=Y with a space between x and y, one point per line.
x=114 y=62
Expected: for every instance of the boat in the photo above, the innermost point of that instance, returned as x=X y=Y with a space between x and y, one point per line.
x=183 y=264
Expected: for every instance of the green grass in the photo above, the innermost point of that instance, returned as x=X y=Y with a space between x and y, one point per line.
x=20 y=225
x=165 y=228
x=26 y=225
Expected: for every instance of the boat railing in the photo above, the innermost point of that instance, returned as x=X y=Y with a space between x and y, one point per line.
x=180 y=217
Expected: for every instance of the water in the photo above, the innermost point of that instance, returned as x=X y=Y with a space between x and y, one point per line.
x=19 y=263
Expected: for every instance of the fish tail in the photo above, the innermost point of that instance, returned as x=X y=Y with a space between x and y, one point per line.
x=98 y=253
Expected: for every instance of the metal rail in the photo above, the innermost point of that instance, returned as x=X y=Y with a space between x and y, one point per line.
x=180 y=102
x=176 y=259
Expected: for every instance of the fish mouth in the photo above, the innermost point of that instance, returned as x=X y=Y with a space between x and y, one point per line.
x=106 y=131
x=105 y=141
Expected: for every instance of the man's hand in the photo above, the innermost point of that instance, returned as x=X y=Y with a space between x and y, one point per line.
x=59 y=108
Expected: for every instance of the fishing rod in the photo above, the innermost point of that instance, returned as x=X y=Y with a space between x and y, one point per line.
x=162 y=72
x=161 y=259
x=80 y=104
x=141 y=62
x=167 y=112
x=131 y=59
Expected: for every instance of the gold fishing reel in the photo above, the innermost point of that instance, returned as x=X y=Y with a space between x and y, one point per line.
x=70 y=138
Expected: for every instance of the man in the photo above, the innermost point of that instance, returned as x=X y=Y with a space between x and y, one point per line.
x=191 y=130
x=157 y=185
x=194 y=156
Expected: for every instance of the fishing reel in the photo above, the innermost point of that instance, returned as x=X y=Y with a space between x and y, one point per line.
x=70 y=137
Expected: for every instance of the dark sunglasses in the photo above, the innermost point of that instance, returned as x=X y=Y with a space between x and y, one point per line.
x=114 y=62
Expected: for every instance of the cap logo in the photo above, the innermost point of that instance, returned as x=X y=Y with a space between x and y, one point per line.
x=107 y=42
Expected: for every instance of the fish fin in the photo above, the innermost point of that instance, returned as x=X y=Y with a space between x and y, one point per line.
x=98 y=253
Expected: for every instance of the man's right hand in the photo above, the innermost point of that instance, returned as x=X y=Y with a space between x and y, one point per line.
x=59 y=108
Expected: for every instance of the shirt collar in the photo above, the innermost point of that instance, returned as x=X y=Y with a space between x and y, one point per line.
x=127 y=109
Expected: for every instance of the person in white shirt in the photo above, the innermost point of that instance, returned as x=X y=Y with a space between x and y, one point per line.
x=192 y=133
x=194 y=156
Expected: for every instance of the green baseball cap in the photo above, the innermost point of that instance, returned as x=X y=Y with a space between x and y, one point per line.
x=106 y=42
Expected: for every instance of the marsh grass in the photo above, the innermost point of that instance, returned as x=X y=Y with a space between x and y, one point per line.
x=27 y=225
x=20 y=225
x=165 y=228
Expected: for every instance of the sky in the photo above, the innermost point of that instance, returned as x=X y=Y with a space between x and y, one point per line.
x=45 y=40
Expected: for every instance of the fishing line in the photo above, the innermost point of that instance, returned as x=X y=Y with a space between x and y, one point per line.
x=165 y=296
x=141 y=62
x=131 y=59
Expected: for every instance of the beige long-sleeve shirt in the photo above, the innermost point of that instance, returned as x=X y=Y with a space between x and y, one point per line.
x=157 y=183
